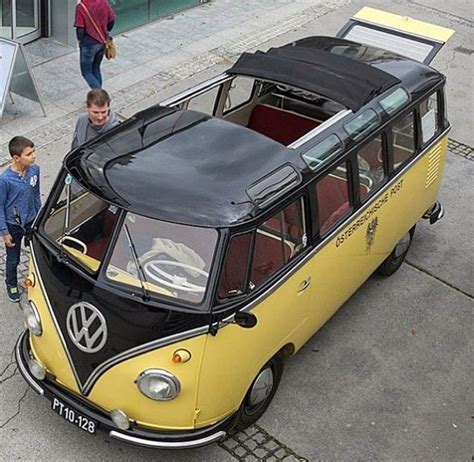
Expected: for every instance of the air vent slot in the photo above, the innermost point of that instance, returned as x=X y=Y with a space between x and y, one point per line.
x=434 y=165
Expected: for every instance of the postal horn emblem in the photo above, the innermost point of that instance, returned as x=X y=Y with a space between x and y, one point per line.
x=86 y=327
x=370 y=233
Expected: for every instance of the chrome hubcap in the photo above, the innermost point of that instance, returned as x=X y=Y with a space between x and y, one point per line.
x=402 y=245
x=262 y=387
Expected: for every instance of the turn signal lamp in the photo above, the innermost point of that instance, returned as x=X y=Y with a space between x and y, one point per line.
x=181 y=356
x=30 y=281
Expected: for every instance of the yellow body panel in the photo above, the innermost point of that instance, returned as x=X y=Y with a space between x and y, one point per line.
x=116 y=388
x=233 y=358
x=347 y=260
x=235 y=355
x=404 y=24
x=48 y=347
x=90 y=262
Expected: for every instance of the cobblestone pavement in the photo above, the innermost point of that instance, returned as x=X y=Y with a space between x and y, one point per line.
x=460 y=149
x=255 y=443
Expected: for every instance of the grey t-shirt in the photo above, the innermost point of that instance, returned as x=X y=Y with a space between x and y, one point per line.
x=85 y=131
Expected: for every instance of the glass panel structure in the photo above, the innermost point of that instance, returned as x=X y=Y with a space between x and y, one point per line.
x=134 y=13
x=19 y=18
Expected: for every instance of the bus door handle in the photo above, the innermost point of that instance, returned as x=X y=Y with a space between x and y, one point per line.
x=304 y=285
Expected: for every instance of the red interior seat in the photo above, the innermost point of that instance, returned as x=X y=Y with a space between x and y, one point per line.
x=280 y=125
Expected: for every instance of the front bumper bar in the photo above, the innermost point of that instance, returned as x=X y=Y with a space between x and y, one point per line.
x=135 y=435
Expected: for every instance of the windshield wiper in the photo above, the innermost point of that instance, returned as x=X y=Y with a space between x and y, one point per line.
x=67 y=181
x=140 y=273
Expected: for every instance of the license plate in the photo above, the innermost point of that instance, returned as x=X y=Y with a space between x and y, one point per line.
x=73 y=416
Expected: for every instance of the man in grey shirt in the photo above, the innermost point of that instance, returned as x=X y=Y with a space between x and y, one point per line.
x=97 y=120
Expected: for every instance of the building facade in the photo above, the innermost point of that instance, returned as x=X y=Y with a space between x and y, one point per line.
x=27 y=20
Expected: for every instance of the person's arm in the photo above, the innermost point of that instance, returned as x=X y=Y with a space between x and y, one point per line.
x=110 y=17
x=37 y=194
x=79 y=23
x=7 y=238
x=80 y=34
x=75 y=140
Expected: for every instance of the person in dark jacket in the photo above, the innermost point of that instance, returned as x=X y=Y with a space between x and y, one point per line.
x=94 y=21
x=20 y=202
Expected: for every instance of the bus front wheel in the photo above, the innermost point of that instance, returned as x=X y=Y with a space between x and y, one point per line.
x=396 y=258
x=260 y=393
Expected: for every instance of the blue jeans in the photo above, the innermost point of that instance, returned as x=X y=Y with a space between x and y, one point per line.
x=13 y=253
x=90 y=58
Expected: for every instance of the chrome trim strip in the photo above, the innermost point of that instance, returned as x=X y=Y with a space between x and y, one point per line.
x=320 y=128
x=337 y=230
x=168 y=444
x=51 y=312
x=197 y=90
x=99 y=370
x=24 y=370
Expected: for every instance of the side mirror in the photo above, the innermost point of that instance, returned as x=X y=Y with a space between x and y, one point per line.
x=245 y=320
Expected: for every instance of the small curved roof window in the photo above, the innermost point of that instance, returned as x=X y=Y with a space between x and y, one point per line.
x=394 y=100
x=322 y=151
x=363 y=123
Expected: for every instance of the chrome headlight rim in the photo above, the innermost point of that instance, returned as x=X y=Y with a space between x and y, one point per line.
x=31 y=309
x=166 y=376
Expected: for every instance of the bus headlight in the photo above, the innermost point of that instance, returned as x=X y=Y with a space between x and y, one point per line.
x=32 y=319
x=158 y=384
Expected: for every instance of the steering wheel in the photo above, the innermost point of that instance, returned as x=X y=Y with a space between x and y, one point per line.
x=154 y=270
x=363 y=165
x=76 y=241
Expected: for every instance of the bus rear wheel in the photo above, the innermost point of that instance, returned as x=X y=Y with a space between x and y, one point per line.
x=260 y=393
x=396 y=258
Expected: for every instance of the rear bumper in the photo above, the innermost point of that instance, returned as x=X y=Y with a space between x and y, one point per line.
x=135 y=435
x=435 y=213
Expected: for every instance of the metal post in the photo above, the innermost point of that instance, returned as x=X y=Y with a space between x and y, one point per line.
x=13 y=18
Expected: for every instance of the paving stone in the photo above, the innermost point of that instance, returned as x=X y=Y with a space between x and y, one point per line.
x=229 y=443
x=261 y=453
x=251 y=444
x=240 y=451
x=271 y=445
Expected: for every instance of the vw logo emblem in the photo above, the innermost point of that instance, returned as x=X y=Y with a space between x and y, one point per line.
x=86 y=327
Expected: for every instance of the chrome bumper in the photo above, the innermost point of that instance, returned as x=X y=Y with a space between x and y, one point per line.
x=136 y=435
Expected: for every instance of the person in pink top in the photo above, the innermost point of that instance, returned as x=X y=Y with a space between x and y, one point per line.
x=94 y=21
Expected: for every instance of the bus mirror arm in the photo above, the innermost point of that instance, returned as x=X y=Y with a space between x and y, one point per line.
x=241 y=318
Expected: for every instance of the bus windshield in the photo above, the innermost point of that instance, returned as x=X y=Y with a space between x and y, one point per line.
x=163 y=258
x=81 y=224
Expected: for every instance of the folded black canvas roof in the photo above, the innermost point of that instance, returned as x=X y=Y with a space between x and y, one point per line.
x=333 y=76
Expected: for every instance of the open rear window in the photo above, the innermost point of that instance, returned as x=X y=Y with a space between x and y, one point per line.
x=405 y=36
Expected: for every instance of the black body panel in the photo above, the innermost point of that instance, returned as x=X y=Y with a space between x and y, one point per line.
x=207 y=163
x=130 y=323
x=334 y=76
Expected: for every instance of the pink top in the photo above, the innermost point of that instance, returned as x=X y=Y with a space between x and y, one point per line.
x=102 y=13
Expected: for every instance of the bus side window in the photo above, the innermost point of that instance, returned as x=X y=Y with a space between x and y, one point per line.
x=403 y=140
x=240 y=92
x=429 y=118
x=234 y=271
x=204 y=102
x=332 y=193
x=370 y=159
x=277 y=241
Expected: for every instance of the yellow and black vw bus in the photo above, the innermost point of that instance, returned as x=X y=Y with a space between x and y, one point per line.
x=184 y=256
